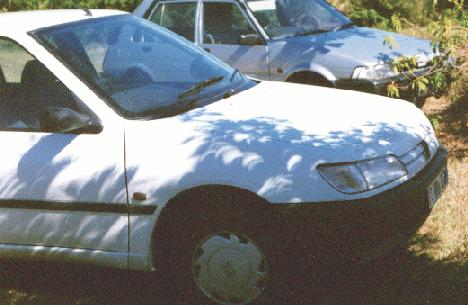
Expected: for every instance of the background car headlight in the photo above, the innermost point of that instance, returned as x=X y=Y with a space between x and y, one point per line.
x=351 y=178
x=380 y=71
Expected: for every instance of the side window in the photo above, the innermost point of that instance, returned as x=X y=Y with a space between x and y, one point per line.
x=224 y=23
x=178 y=17
x=13 y=58
x=27 y=89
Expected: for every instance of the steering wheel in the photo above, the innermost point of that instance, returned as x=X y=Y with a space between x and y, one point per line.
x=310 y=22
x=273 y=28
x=138 y=73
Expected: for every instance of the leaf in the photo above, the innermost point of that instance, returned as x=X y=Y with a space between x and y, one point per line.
x=435 y=122
x=420 y=84
x=393 y=90
x=396 y=22
x=391 y=42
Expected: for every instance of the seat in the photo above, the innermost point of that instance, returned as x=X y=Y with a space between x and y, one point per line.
x=8 y=100
x=2 y=85
x=218 y=24
x=40 y=90
x=2 y=78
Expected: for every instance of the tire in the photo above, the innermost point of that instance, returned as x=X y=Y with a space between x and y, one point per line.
x=217 y=254
x=310 y=79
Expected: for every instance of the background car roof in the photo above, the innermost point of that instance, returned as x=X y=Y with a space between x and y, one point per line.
x=25 y=21
x=144 y=5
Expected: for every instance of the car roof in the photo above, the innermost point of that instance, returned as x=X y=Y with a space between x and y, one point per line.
x=25 y=21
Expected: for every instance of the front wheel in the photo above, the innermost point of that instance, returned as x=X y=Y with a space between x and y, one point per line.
x=221 y=256
x=230 y=268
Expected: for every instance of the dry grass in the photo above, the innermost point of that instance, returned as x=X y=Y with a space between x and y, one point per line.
x=447 y=226
x=444 y=236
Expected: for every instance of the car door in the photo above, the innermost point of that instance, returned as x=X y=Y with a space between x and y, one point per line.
x=227 y=33
x=58 y=188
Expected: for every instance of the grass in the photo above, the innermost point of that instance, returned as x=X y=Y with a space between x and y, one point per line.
x=444 y=236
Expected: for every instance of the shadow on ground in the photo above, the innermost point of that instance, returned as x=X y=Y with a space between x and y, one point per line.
x=400 y=278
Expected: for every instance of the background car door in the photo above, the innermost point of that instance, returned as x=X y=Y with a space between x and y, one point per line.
x=57 y=189
x=179 y=17
x=228 y=34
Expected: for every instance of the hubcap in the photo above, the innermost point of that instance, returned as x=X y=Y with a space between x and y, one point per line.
x=229 y=268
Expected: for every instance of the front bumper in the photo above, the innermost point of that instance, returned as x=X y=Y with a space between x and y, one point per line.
x=361 y=230
x=378 y=87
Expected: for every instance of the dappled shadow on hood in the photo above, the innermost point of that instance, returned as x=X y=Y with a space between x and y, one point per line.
x=274 y=157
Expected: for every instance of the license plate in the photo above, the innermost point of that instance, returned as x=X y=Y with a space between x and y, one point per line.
x=437 y=187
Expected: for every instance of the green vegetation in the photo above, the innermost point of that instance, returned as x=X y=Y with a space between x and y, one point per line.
x=17 y=5
x=443 y=21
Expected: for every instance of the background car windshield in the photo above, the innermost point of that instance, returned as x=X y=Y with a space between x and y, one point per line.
x=142 y=69
x=295 y=17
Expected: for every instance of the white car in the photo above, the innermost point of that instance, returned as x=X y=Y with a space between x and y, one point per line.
x=126 y=146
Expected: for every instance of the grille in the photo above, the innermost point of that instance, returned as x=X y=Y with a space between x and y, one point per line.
x=416 y=159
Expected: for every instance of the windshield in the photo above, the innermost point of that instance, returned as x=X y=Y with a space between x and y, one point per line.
x=141 y=69
x=297 y=17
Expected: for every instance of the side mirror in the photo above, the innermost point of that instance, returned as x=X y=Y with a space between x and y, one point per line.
x=66 y=120
x=250 y=40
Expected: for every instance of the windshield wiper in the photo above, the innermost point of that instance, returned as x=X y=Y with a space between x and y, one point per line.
x=311 y=32
x=344 y=26
x=183 y=102
x=231 y=90
x=199 y=86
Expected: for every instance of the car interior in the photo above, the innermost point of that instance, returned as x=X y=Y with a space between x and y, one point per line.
x=21 y=104
x=224 y=24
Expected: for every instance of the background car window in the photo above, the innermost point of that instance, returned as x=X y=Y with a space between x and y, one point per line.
x=177 y=17
x=291 y=17
x=28 y=89
x=224 y=23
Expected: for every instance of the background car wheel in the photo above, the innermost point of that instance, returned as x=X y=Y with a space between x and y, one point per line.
x=309 y=78
x=220 y=254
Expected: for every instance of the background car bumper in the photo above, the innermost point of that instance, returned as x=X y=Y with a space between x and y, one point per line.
x=377 y=87
x=361 y=230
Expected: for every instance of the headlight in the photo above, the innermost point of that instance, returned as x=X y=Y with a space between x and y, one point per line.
x=352 y=178
x=380 y=71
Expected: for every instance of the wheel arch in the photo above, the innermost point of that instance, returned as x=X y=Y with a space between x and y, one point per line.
x=312 y=69
x=181 y=202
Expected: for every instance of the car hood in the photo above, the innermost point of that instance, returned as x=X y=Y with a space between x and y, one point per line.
x=340 y=125
x=366 y=45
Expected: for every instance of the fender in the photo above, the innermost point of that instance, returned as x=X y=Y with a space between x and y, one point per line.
x=310 y=67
